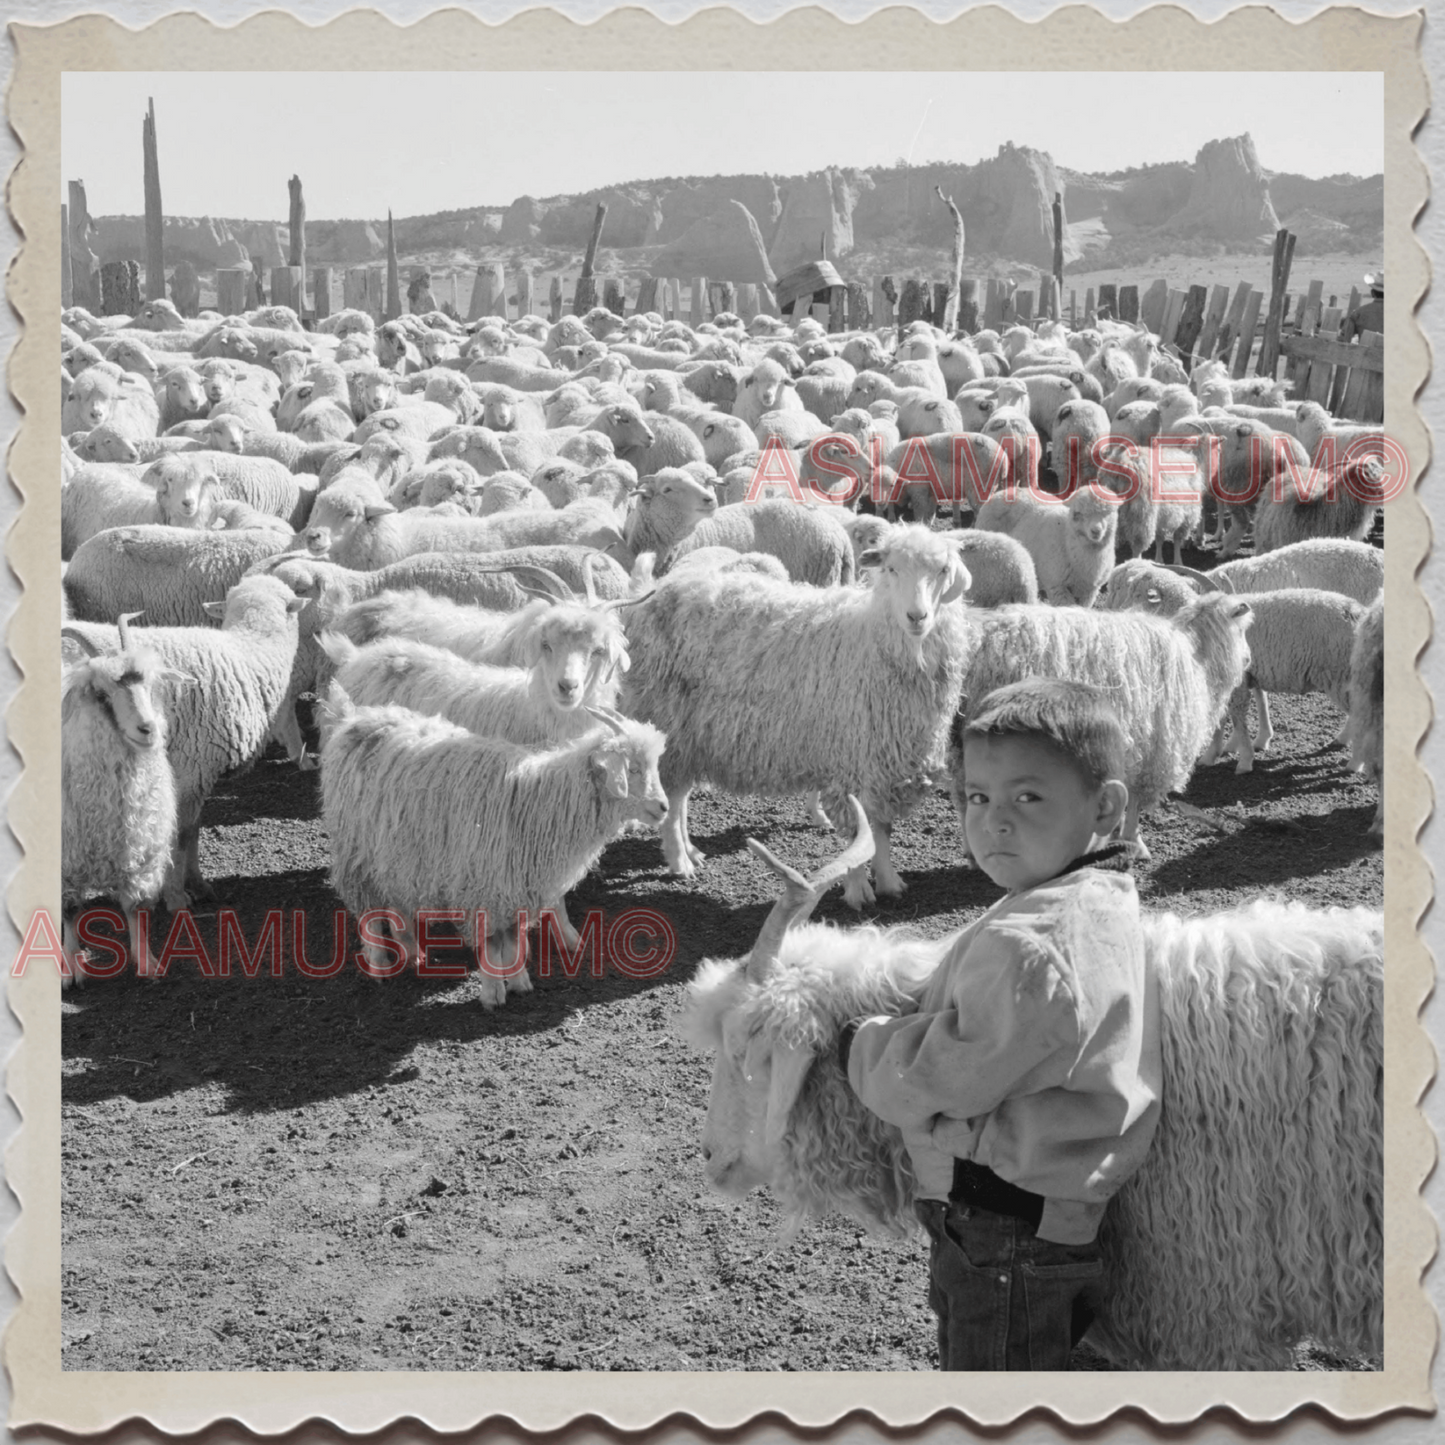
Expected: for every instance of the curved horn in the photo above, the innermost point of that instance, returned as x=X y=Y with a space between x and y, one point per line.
x=81 y=641
x=544 y=580
x=588 y=584
x=606 y=714
x=627 y=601
x=122 y=624
x=1209 y=583
x=800 y=895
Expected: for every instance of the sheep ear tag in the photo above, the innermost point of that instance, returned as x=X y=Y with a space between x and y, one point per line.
x=790 y=1068
x=614 y=774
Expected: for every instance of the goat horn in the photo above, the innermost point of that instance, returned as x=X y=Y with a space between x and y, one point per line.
x=588 y=584
x=606 y=714
x=81 y=641
x=1209 y=583
x=627 y=601
x=801 y=895
x=122 y=624
x=545 y=580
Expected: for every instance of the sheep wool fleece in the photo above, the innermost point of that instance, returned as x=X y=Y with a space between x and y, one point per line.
x=1034 y=1051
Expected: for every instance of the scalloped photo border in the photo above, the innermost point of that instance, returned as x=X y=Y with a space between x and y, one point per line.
x=1077 y=38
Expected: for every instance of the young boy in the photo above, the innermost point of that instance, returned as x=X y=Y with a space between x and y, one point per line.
x=1027 y=1083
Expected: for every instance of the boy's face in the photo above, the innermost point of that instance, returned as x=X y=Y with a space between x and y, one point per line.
x=1029 y=811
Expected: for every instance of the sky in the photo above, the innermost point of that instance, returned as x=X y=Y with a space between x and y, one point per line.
x=415 y=143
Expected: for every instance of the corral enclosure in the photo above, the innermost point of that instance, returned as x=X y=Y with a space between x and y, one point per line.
x=299 y=1167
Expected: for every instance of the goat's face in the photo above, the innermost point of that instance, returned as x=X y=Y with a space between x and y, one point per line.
x=626 y=764
x=126 y=691
x=919 y=573
x=577 y=652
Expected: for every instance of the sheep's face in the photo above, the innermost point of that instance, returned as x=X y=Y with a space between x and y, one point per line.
x=674 y=502
x=626 y=767
x=91 y=398
x=576 y=653
x=865 y=390
x=919 y=573
x=185 y=392
x=499 y=413
x=158 y=315
x=376 y=393
x=225 y=434
x=217 y=381
x=766 y=382
x=106 y=445
x=628 y=430
x=121 y=683
x=182 y=490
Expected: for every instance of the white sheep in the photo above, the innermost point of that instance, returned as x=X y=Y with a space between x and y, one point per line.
x=1169 y=679
x=1071 y=543
x=1367 y=703
x=721 y=660
x=521 y=827
x=1339 y=501
x=117 y=790
x=180 y=396
x=808 y=540
x=1271 y=1026
x=128 y=405
x=1001 y=569
x=97 y=498
x=1316 y=424
x=219 y=719
x=168 y=573
x=1335 y=564
x=954 y=467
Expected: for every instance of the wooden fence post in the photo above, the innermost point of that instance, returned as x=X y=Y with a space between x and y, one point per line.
x=120 y=288
x=859 y=309
x=1058 y=252
x=288 y=288
x=1218 y=300
x=297 y=222
x=614 y=298
x=526 y=300
x=1246 y=333
x=968 y=304
x=913 y=301
x=1091 y=315
x=155 y=217
x=489 y=286
x=1152 y=306
x=584 y=298
x=393 y=274
x=1128 y=303
x=1172 y=313
x=1191 y=320
x=231 y=283
x=647 y=296
x=376 y=291
x=321 y=292
x=1109 y=300
x=697 y=298
x=938 y=312
x=1278 y=286
x=838 y=308
x=67 y=285
x=1024 y=306
x=747 y=302
x=1073 y=307
x=84 y=276
x=885 y=297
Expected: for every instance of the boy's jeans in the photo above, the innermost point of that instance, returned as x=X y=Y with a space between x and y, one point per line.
x=1005 y=1299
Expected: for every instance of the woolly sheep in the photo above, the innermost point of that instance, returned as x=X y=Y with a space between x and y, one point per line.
x=1340 y=506
x=219 y=719
x=1071 y=544
x=1366 y=730
x=1270 y=1019
x=720 y=659
x=1335 y=564
x=1161 y=491
x=127 y=405
x=792 y=429
x=526 y=827
x=166 y=572
x=808 y=540
x=117 y=790
x=766 y=387
x=1169 y=679
x=955 y=467
x=1000 y=568
x=1315 y=424
x=669 y=507
x=717 y=382
x=105 y=444
x=367 y=532
x=99 y=497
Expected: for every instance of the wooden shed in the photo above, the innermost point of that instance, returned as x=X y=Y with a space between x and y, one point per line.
x=812 y=282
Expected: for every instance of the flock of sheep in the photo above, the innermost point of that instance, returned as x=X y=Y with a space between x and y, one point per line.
x=544 y=579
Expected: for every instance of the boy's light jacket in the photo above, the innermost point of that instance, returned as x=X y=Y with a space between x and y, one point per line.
x=1034 y=1051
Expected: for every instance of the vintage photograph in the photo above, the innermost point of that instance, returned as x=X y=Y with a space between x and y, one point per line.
x=502 y=604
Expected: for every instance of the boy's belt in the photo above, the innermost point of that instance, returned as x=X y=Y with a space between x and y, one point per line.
x=980 y=1188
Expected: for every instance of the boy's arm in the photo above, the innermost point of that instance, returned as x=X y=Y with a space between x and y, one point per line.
x=966 y=1059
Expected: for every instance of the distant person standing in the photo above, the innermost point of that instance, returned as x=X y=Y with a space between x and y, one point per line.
x=1371 y=315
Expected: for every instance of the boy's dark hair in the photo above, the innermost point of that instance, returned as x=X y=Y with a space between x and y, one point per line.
x=1074 y=716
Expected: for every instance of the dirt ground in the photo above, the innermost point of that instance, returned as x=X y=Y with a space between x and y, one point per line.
x=343 y=1174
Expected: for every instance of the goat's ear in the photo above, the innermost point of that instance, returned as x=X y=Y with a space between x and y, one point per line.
x=377 y=510
x=613 y=767
x=1240 y=610
x=790 y=1066
x=959 y=580
x=295 y=604
x=870 y=557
